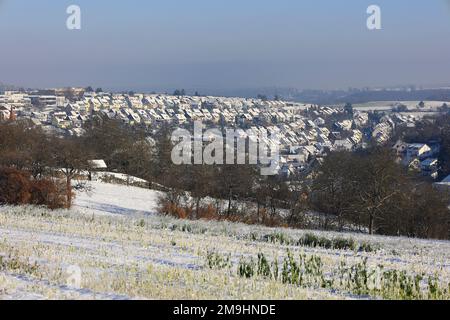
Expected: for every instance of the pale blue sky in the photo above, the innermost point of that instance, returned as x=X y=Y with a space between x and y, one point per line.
x=224 y=44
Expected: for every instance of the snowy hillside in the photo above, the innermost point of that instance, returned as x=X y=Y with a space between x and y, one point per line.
x=113 y=245
x=111 y=199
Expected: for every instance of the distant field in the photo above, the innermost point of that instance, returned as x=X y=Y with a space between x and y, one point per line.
x=113 y=246
x=387 y=105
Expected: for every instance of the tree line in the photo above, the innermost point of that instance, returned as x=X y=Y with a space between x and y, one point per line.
x=366 y=190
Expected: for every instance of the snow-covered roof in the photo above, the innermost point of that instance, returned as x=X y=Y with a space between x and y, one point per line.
x=429 y=162
x=446 y=180
x=97 y=164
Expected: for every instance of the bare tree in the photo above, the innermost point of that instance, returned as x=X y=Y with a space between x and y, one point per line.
x=381 y=182
x=333 y=187
x=71 y=159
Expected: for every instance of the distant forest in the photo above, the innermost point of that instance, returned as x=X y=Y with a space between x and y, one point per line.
x=327 y=97
x=321 y=97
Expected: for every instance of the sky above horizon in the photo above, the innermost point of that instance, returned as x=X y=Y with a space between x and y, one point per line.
x=224 y=44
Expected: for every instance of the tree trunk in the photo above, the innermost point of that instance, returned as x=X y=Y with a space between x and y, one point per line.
x=69 y=192
x=197 y=209
x=371 y=224
x=218 y=203
x=257 y=211
x=229 y=201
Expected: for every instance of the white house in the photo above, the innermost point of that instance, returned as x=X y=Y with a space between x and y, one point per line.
x=444 y=185
x=343 y=145
x=418 y=150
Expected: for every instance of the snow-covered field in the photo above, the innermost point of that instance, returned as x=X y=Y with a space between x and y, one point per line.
x=112 y=245
x=430 y=106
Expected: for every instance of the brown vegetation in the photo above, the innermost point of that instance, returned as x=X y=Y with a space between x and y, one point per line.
x=20 y=188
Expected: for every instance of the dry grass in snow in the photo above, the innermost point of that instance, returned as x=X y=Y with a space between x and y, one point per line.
x=113 y=246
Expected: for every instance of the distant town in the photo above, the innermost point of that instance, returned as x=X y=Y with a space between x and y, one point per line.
x=307 y=132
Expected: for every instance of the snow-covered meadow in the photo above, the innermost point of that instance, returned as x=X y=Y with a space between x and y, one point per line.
x=113 y=245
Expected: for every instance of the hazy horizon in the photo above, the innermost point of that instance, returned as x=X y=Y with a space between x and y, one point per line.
x=224 y=45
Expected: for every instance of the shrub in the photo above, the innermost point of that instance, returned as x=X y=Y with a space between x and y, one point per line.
x=217 y=261
x=18 y=188
x=186 y=228
x=367 y=247
x=14 y=187
x=141 y=223
x=344 y=244
x=246 y=269
x=208 y=213
x=15 y=263
x=308 y=240
x=311 y=240
x=49 y=193
x=263 y=266
x=359 y=279
x=277 y=237
x=171 y=209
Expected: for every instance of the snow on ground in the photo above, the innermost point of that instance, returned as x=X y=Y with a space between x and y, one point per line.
x=118 y=176
x=124 y=250
x=114 y=199
x=430 y=106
